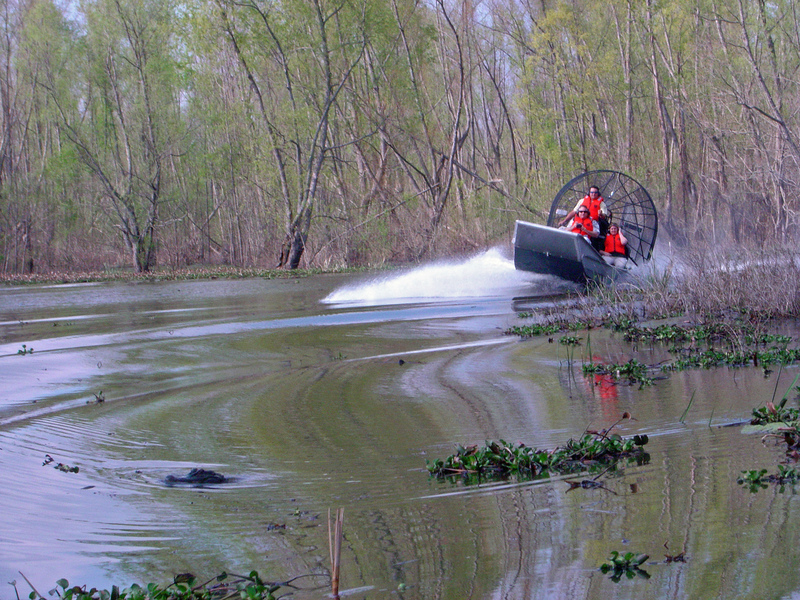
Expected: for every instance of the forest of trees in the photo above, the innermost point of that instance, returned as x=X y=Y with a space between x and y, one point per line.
x=327 y=133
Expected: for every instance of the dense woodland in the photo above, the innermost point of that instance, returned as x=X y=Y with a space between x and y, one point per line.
x=328 y=133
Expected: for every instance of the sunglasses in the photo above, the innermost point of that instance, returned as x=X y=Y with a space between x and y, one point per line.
x=594 y=192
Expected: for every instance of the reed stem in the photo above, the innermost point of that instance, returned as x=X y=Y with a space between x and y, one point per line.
x=335 y=535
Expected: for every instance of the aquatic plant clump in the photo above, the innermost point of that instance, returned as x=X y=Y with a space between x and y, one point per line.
x=184 y=587
x=710 y=358
x=735 y=333
x=738 y=344
x=498 y=459
x=628 y=564
x=536 y=329
x=633 y=371
x=756 y=480
x=770 y=413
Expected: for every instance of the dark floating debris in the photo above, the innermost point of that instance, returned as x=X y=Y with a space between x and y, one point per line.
x=197 y=477
x=59 y=466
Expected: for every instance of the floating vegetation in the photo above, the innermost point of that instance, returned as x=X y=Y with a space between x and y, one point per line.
x=628 y=564
x=633 y=371
x=706 y=359
x=184 y=587
x=25 y=350
x=678 y=334
x=704 y=346
x=533 y=330
x=593 y=451
x=784 y=424
x=754 y=479
x=59 y=466
x=758 y=479
x=770 y=413
x=736 y=333
x=671 y=333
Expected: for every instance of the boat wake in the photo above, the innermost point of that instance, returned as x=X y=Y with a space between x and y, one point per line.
x=486 y=275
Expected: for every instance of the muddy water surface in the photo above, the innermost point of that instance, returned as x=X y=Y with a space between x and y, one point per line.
x=332 y=391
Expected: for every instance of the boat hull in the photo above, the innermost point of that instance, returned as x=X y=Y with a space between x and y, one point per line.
x=550 y=251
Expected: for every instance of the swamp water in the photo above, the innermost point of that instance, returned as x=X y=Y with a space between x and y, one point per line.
x=332 y=391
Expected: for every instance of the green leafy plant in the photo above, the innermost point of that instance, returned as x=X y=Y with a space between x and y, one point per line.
x=786 y=474
x=756 y=480
x=633 y=371
x=770 y=413
x=593 y=451
x=628 y=564
x=569 y=340
x=184 y=587
x=526 y=331
x=731 y=343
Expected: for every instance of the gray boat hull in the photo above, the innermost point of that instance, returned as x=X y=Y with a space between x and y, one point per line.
x=551 y=251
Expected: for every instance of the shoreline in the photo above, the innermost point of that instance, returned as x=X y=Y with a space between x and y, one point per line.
x=183 y=274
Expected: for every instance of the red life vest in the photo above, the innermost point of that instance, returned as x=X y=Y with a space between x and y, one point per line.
x=593 y=205
x=586 y=222
x=614 y=245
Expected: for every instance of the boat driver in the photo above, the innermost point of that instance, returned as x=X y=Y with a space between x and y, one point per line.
x=597 y=209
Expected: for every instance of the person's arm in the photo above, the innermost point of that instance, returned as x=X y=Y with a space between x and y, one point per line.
x=569 y=216
x=571 y=213
x=623 y=240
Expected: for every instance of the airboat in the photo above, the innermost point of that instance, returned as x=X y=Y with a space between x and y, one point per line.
x=548 y=250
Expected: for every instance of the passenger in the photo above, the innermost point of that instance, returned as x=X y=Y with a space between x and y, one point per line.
x=615 y=251
x=582 y=223
x=597 y=209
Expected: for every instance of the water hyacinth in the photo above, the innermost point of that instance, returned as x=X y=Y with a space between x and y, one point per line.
x=184 y=587
x=593 y=451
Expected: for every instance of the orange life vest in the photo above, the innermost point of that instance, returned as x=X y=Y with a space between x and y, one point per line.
x=593 y=205
x=586 y=222
x=614 y=245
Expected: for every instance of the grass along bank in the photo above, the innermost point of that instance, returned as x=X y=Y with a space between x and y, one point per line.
x=166 y=274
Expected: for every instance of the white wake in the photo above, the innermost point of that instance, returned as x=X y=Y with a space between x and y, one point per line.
x=488 y=274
